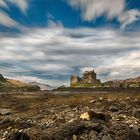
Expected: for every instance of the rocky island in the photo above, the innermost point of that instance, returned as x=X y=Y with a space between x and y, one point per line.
x=89 y=80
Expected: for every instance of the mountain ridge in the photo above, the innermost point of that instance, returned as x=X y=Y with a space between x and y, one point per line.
x=42 y=86
x=15 y=85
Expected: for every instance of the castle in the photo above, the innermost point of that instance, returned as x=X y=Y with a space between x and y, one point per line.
x=89 y=77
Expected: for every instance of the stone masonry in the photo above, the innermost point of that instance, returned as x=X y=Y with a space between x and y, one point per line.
x=89 y=77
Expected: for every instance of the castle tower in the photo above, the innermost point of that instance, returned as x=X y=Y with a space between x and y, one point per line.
x=89 y=77
x=74 y=79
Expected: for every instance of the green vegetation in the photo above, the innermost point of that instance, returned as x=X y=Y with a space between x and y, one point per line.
x=86 y=85
x=108 y=84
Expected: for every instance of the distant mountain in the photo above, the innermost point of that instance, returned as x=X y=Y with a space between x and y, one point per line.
x=42 y=86
x=15 y=85
x=129 y=80
x=136 y=80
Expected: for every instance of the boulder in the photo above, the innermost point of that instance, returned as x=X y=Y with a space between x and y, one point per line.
x=68 y=130
x=18 y=136
x=134 y=133
x=85 y=116
x=136 y=113
x=93 y=135
x=5 y=111
x=93 y=126
x=95 y=115
x=99 y=115
x=92 y=101
x=113 y=108
x=107 y=137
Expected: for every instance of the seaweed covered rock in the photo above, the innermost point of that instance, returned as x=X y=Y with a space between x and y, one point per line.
x=18 y=136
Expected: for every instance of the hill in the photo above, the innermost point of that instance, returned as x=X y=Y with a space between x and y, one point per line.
x=126 y=83
x=14 y=85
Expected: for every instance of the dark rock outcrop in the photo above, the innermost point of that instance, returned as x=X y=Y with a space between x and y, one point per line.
x=99 y=115
x=69 y=130
x=2 y=78
x=18 y=136
x=136 y=113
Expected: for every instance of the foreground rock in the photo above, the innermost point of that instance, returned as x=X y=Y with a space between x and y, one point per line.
x=113 y=108
x=18 y=136
x=90 y=115
x=5 y=111
x=67 y=131
x=136 y=113
x=82 y=130
x=90 y=119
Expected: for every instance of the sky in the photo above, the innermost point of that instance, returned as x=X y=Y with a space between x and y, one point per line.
x=47 y=41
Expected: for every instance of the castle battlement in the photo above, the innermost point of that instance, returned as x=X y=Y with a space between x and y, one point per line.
x=89 y=77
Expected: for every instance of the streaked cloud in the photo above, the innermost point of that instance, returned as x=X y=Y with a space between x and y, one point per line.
x=22 y=4
x=5 y=20
x=48 y=47
x=53 y=54
x=3 y=4
x=110 y=9
x=91 y=9
x=129 y=17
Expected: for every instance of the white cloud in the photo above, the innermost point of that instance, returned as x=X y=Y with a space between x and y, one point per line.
x=129 y=17
x=23 y=4
x=60 y=52
x=92 y=9
x=3 y=4
x=54 y=24
x=6 y=20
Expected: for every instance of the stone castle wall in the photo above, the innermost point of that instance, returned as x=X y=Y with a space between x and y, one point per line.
x=89 y=77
